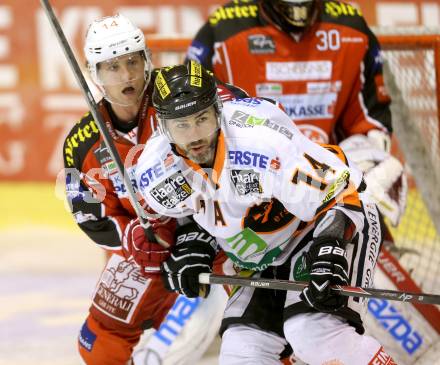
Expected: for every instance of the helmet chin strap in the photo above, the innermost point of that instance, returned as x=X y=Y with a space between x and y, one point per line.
x=211 y=163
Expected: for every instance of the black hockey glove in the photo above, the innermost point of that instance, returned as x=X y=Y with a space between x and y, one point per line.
x=193 y=254
x=327 y=264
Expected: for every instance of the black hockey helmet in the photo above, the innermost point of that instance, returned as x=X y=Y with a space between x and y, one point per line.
x=292 y=16
x=183 y=90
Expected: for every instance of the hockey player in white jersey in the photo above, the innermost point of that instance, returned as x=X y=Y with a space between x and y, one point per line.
x=279 y=205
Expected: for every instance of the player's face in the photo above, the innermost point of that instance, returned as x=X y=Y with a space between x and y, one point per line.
x=298 y=13
x=195 y=135
x=123 y=78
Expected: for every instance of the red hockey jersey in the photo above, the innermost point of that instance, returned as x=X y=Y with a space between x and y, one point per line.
x=329 y=80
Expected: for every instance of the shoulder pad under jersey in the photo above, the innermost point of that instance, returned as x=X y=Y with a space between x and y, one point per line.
x=344 y=14
x=228 y=92
x=234 y=17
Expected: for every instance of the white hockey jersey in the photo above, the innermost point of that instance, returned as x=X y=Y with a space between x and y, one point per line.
x=267 y=184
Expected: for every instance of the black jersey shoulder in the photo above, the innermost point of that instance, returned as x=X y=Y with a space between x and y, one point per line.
x=78 y=142
x=338 y=12
x=153 y=75
x=234 y=17
x=234 y=92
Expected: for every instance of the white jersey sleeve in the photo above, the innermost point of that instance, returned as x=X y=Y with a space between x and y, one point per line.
x=307 y=177
x=316 y=177
x=160 y=180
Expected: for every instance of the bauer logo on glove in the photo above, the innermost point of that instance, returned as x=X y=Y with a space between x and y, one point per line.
x=193 y=254
x=327 y=264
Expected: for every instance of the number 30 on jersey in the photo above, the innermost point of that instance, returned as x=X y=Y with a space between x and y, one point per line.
x=328 y=40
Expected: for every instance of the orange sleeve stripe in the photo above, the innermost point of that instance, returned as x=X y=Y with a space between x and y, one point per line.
x=335 y=150
x=349 y=198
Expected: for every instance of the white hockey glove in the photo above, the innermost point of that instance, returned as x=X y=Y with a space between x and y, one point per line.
x=383 y=173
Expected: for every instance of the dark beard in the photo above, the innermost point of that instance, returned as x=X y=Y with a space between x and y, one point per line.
x=208 y=158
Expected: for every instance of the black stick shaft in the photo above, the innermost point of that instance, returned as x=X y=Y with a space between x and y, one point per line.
x=349 y=291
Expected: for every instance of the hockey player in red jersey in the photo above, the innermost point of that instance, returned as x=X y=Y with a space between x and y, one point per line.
x=322 y=62
x=125 y=301
x=129 y=295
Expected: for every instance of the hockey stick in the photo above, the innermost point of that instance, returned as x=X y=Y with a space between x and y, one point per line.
x=108 y=141
x=348 y=291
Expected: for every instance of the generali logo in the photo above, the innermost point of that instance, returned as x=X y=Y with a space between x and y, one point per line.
x=115 y=293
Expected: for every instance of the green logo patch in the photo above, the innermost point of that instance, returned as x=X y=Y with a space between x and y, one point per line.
x=300 y=272
x=249 y=251
x=251 y=120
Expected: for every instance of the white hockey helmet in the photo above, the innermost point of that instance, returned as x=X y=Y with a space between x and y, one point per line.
x=111 y=37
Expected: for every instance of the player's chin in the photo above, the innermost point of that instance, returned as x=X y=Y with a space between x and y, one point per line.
x=129 y=99
x=201 y=156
